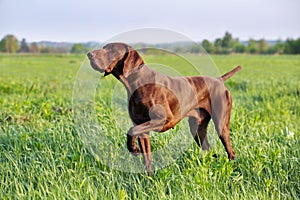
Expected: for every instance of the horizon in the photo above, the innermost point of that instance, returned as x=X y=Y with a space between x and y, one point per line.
x=187 y=41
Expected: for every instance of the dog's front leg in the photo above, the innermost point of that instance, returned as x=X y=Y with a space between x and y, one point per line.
x=144 y=142
x=131 y=145
x=142 y=133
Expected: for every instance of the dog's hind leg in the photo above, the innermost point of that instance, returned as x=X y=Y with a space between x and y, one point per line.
x=221 y=108
x=198 y=126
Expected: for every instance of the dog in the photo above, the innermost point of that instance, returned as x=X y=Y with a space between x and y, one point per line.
x=157 y=102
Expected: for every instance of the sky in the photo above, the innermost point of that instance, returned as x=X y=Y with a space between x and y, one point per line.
x=97 y=20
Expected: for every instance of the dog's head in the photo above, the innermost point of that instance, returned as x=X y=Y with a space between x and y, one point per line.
x=116 y=58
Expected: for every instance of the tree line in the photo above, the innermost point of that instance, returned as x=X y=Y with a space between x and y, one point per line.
x=225 y=45
x=10 y=44
x=228 y=44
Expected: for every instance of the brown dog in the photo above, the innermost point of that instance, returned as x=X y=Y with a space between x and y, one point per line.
x=158 y=102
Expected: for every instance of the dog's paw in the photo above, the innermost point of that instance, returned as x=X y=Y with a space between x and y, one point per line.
x=131 y=145
x=134 y=150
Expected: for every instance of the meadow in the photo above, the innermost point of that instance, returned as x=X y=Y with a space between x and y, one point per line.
x=43 y=156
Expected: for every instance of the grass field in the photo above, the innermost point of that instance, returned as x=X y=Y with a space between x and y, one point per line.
x=42 y=155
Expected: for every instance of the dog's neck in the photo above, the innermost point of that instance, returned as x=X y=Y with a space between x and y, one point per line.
x=125 y=82
x=133 y=80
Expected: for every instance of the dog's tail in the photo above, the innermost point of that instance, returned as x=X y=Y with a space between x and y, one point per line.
x=230 y=74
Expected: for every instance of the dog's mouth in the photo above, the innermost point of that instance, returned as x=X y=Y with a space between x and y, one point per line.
x=95 y=66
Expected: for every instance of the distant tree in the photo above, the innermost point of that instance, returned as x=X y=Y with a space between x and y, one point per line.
x=34 y=48
x=44 y=49
x=77 y=48
x=227 y=41
x=297 y=46
x=208 y=46
x=278 y=47
x=9 y=44
x=263 y=46
x=288 y=46
x=292 y=46
x=2 y=46
x=218 y=45
x=252 y=46
x=239 y=48
x=218 y=42
x=24 y=46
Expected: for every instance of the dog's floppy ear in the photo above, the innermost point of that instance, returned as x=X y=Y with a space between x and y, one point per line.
x=109 y=68
x=132 y=61
x=114 y=54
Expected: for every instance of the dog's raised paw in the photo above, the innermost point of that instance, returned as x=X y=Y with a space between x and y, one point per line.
x=135 y=151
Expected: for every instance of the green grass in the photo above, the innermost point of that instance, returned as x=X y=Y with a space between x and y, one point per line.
x=43 y=156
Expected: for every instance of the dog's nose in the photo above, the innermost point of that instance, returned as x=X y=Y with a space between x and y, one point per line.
x=90 y=55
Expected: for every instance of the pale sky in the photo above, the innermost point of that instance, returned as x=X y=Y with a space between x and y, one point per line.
x=97 y=20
